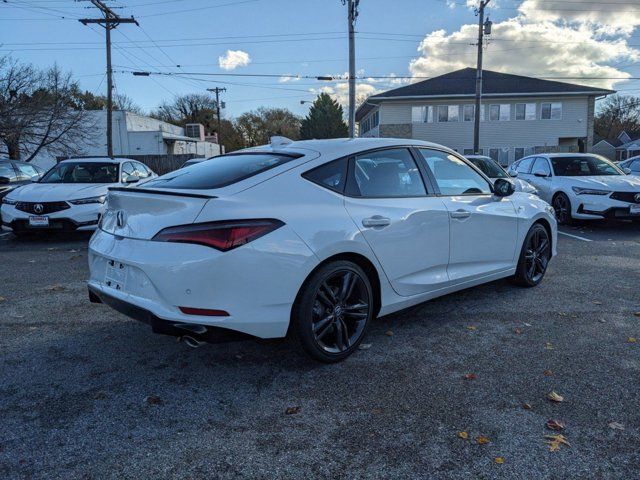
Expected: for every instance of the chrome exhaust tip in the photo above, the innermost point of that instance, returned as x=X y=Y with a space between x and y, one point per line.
x=191 y=342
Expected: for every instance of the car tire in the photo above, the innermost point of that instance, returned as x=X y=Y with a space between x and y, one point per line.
x=332 y=311
x=562 y=207
x=534 y=257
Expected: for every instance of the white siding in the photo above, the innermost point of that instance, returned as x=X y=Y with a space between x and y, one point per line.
x=511 y=134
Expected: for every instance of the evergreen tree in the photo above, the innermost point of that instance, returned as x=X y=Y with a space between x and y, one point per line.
x=325 y=120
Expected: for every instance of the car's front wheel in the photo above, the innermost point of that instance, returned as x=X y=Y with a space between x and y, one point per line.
x=534 y=257
x=332 y=312
x=562 y=207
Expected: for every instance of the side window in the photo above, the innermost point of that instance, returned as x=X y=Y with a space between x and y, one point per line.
x=453 y=176
x=27 y=172
x=385 y=173
x=141 y=170
x=525 y=165
x=635 y=166
x=127 y=171
x=6 y=170
x=541 y=165
x=331 y=175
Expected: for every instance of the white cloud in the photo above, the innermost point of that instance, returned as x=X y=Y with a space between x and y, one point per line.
x=539 y=41
x=288 y=78
x=234 y=59
x=340 y=92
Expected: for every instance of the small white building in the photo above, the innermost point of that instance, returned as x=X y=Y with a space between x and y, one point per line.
x=139 y=135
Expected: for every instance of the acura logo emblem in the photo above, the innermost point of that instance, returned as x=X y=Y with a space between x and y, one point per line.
x=38 y=208
x=637 y=197
x=121 y=219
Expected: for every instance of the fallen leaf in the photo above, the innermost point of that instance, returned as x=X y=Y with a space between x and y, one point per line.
x=73 y=250
x=470 y=376
x=548 y=346
x=555 y=425
x=2 y=299
x=517 y=331
x=616 y=426
x=562 y=314
x=554 y=397
x=389 y=333
x=463 y=435
x=547 y=373
x=554 y=442
x=292 y=410
x=153 y=400
x=602 y=320
x=527 y=324
x=364 y=346
x=527 y=406
x=632 y=339
x=376 y=411
x=499 y=460
x=55 y=288
x=481 y=440
x=637 y=314
x=472 y=327
x=597 y=303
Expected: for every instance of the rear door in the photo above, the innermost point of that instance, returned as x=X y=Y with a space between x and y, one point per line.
x=484 y=227
x=405 y=224
x=541 y=183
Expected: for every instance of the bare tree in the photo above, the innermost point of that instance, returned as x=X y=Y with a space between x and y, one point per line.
x=257 y=126
x=38 y=112
x=616 y=114
x=191 y=108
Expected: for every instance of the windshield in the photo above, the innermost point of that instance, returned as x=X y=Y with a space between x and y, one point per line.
x=489 y=167
x=220 y=171
x=82 y=172
x=583 y=166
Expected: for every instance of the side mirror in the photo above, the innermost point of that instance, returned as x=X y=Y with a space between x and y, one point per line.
x=540 y=173
x=132 y=179
x=625 y=170
x=503 y=187
x=4 y=180
x=512 y=173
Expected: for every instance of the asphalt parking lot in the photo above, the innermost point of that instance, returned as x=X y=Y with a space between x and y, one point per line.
x=87 y=393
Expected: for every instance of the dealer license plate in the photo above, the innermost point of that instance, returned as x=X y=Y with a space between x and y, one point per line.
x=116 y=275
x=38 y=221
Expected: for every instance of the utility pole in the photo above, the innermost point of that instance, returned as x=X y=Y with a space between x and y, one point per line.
x=217 y=91
x=109 y=22
x=352 y=6
x=481 y=31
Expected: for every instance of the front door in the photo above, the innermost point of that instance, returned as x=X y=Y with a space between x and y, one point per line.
x=483 y=227
x=405 y=224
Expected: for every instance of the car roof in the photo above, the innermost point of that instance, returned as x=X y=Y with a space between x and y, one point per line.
x=99 y=159
x=564 y=155
x=340 y=147
x=478 y=157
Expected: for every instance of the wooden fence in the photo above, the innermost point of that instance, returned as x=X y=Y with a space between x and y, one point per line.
x=158 y=163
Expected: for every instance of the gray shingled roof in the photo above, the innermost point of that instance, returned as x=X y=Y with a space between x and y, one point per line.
x=463 y=83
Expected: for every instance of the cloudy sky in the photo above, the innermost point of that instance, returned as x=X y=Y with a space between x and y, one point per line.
x=192 y=45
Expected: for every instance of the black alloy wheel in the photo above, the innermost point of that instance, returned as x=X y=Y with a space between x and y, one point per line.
x=562 y=207
x=534 y=257
x=333 y=311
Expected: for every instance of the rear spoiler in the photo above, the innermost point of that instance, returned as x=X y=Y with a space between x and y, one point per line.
x=160 y=192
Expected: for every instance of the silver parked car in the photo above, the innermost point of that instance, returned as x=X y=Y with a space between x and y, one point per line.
x=494 y=170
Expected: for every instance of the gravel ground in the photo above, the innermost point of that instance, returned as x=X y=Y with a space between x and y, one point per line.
x=87 y=393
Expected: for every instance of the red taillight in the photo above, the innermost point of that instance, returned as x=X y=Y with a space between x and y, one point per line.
x=223 y=236
x=204 y=311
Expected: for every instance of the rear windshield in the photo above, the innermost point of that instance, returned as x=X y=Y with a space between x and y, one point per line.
x=220 y=171
x=82 y=172
x=583 y=166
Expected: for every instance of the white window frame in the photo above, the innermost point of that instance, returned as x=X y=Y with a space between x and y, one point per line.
x=422 y=114
x=504 y=112
x=551 y=110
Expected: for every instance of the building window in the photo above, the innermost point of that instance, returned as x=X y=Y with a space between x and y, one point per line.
x=551 y=111
x=448 y=113
x=519 y=153
x=500 y=113
x=370 y=122
x=525 y=111
x=500 y=155
x=467 y=151
x=469 y=113
x=421 y=114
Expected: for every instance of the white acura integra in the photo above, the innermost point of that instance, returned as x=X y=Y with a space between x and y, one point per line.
x=313 y=239
x=70 y=196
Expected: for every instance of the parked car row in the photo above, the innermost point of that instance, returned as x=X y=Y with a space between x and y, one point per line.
x=314 y=239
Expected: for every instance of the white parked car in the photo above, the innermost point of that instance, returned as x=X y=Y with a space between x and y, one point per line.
x=631 y=166
x=70 y=196
x=494 y=170
x=313 y=239
x=582 y=186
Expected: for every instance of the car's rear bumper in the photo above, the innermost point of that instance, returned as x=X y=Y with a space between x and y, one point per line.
x=255 y=284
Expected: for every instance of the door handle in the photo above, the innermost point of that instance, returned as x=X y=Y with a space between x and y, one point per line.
x=460 y=214
x=376 y=221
